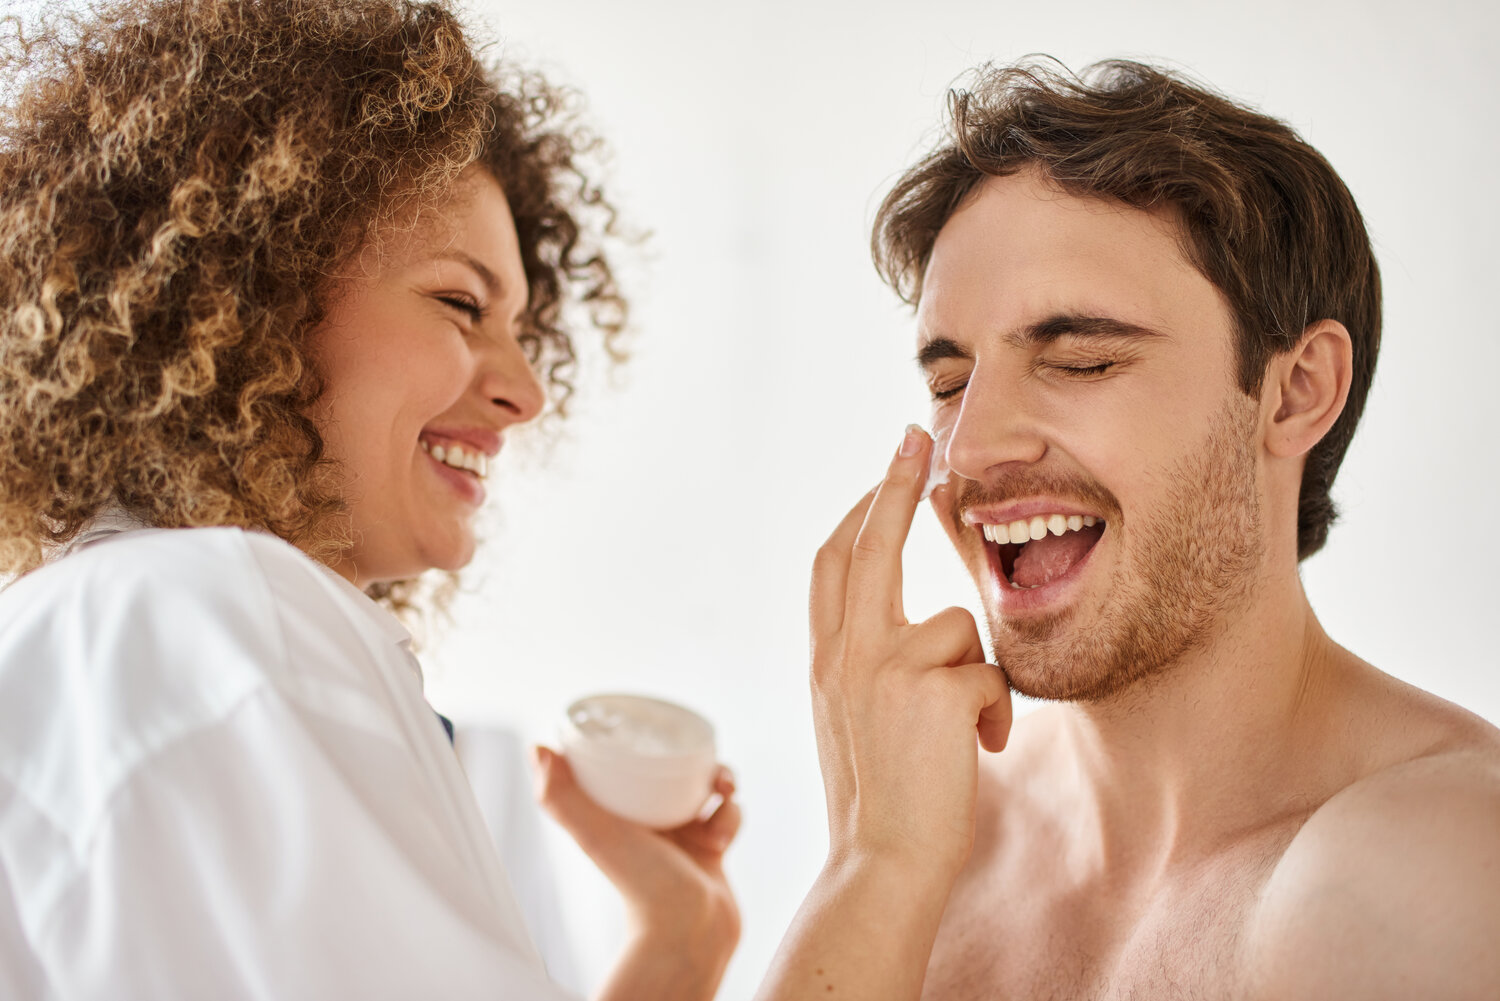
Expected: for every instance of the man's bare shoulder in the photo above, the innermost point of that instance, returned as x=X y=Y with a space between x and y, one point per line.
x=1393 y=884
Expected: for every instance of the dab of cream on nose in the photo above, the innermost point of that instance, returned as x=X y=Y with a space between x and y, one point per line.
x=937 y=468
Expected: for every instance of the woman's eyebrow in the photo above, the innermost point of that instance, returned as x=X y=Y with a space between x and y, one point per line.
x=491 y=282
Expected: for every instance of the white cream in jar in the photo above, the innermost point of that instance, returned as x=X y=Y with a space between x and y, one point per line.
x=648 y=760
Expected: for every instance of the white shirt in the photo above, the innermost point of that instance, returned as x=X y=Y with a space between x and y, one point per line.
x=219 y=780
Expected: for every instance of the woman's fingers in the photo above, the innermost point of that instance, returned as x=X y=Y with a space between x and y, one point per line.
x=673 y=881
x=713 y=834
x=599 y=832
x=559 y=794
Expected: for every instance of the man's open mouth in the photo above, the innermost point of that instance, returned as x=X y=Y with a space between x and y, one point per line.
x=1039 y=550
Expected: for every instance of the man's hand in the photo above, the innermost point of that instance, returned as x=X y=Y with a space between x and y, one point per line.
x=897 y=704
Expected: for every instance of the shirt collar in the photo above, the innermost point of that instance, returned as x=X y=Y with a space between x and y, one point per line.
x=379 y=616
x=113 y=521
x=109 y=522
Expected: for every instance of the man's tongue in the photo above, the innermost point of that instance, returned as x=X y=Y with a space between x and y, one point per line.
x=1048 y=558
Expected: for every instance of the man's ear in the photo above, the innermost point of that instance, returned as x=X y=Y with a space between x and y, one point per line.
x=1306 y=387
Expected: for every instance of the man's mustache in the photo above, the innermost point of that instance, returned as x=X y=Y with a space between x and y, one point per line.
x=1006 y=487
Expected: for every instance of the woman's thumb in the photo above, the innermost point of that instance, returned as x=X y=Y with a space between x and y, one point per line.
x=560 y=795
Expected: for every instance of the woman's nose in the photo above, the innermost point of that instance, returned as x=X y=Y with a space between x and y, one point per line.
x=508 y=381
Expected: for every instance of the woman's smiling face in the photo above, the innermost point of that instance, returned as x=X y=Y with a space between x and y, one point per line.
x=423 y=374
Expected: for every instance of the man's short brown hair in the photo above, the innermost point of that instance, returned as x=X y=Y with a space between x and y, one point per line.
x=1265 y=218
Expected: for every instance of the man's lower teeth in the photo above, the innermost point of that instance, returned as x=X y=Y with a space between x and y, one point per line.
x=1023 y=587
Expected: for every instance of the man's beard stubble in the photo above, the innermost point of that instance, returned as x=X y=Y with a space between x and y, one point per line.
x=1190 y=560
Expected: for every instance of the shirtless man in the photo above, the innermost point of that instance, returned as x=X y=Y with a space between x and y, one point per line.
x=1148 y=318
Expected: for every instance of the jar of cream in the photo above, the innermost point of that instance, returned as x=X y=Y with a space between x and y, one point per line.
x=645 y=759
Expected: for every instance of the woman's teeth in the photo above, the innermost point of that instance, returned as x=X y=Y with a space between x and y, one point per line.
x=1023 y=530
x=459 y=457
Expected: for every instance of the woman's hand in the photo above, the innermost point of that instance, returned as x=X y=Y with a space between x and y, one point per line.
x=683 y=916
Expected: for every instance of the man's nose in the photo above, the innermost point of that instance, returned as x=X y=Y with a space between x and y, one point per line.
x=507 y=380
x=996 y=425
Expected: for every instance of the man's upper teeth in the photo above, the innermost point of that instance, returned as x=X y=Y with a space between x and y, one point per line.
x=457 y=456
x=1027 y=529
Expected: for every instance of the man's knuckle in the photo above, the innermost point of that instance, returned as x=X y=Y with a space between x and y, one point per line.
x=954 y=618
x=827 y=660
x=826 y=558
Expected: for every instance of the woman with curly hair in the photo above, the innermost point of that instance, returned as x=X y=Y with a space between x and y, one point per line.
x=276 y=279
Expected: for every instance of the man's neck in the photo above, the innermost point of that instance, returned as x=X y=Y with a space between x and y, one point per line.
x=1209 y=748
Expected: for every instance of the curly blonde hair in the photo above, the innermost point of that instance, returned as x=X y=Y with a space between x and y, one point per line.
x=177 y=180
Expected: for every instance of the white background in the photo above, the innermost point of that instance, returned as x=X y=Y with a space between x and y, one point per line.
x=660 y=541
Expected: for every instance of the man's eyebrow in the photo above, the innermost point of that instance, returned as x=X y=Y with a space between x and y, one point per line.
x=487 y=276
x=1045 y=332
x=1078 y=325
x=939 y=348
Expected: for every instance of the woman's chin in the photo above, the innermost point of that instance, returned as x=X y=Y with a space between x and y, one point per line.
x=454 y=554
x=447 y=552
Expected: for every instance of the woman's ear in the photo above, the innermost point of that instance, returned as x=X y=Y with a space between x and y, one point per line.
x=1306 y=387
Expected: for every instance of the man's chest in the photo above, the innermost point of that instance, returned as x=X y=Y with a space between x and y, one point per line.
x=1007 y=936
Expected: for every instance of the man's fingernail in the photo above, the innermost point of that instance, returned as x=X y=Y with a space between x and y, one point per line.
x=912 y=442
